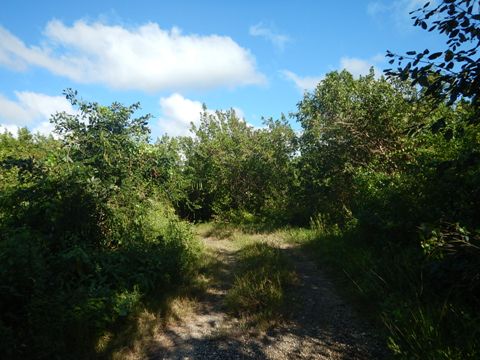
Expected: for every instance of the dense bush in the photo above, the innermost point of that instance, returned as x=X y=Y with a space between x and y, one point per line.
x=84 y=236
x=235 y=172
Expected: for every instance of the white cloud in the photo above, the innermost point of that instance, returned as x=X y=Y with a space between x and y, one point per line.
x=10 y=128
x=14 y=111
x=178 y=113
x=398 y=10
x=147 y=57
x=31 y=109
x=239 y=113
x=306 y=83
x=355 y=66
x=278 y=40
x=45 y=128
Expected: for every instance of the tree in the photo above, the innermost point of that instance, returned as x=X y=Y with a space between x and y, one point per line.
x=235 y=171
x=452 y=73
x=106 y=138
x=85 y=234
x=347 y=123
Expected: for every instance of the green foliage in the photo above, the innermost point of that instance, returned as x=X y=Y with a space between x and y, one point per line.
x=453 y=73
x=234 y=171
x=381 y=172
x=85 y=234
x=347 y=124
x=389 y=179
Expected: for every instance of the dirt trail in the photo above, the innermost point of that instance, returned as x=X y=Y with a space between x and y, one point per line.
x=320 y=325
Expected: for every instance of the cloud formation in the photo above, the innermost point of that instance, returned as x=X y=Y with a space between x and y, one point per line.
x=146 y=57
x=303 y=83
x=356 y=66
x=178 y=113
x=398 y=10
x=9 y=128
x=32 y=110
x=278 y=40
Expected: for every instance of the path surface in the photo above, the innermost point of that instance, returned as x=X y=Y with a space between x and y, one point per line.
x=320 y=325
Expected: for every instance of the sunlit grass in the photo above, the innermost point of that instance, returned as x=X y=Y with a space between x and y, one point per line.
x=259 y=292
x=262 y=274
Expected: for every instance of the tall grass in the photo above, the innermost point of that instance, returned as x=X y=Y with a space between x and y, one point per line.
x=389 y=285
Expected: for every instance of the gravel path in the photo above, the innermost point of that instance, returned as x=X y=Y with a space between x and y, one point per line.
x=320 y=325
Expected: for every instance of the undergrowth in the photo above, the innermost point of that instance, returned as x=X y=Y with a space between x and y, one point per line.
x=392 y=286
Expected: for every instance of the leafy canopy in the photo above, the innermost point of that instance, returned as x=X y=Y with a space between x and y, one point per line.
x=452 y=73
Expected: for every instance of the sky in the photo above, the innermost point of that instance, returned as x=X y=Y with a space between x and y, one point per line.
x=257 y=57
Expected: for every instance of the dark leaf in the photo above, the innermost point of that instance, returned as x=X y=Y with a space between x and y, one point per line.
x=448 y=135
x=448 y=55
x=438 y=125
x=434 y=56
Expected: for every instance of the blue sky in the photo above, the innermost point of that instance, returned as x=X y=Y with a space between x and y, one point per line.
x=255 y=56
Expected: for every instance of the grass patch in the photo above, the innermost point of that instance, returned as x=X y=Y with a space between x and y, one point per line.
x=214 y=229
x=263 y=275
x=225 y=230
x=259 y=292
